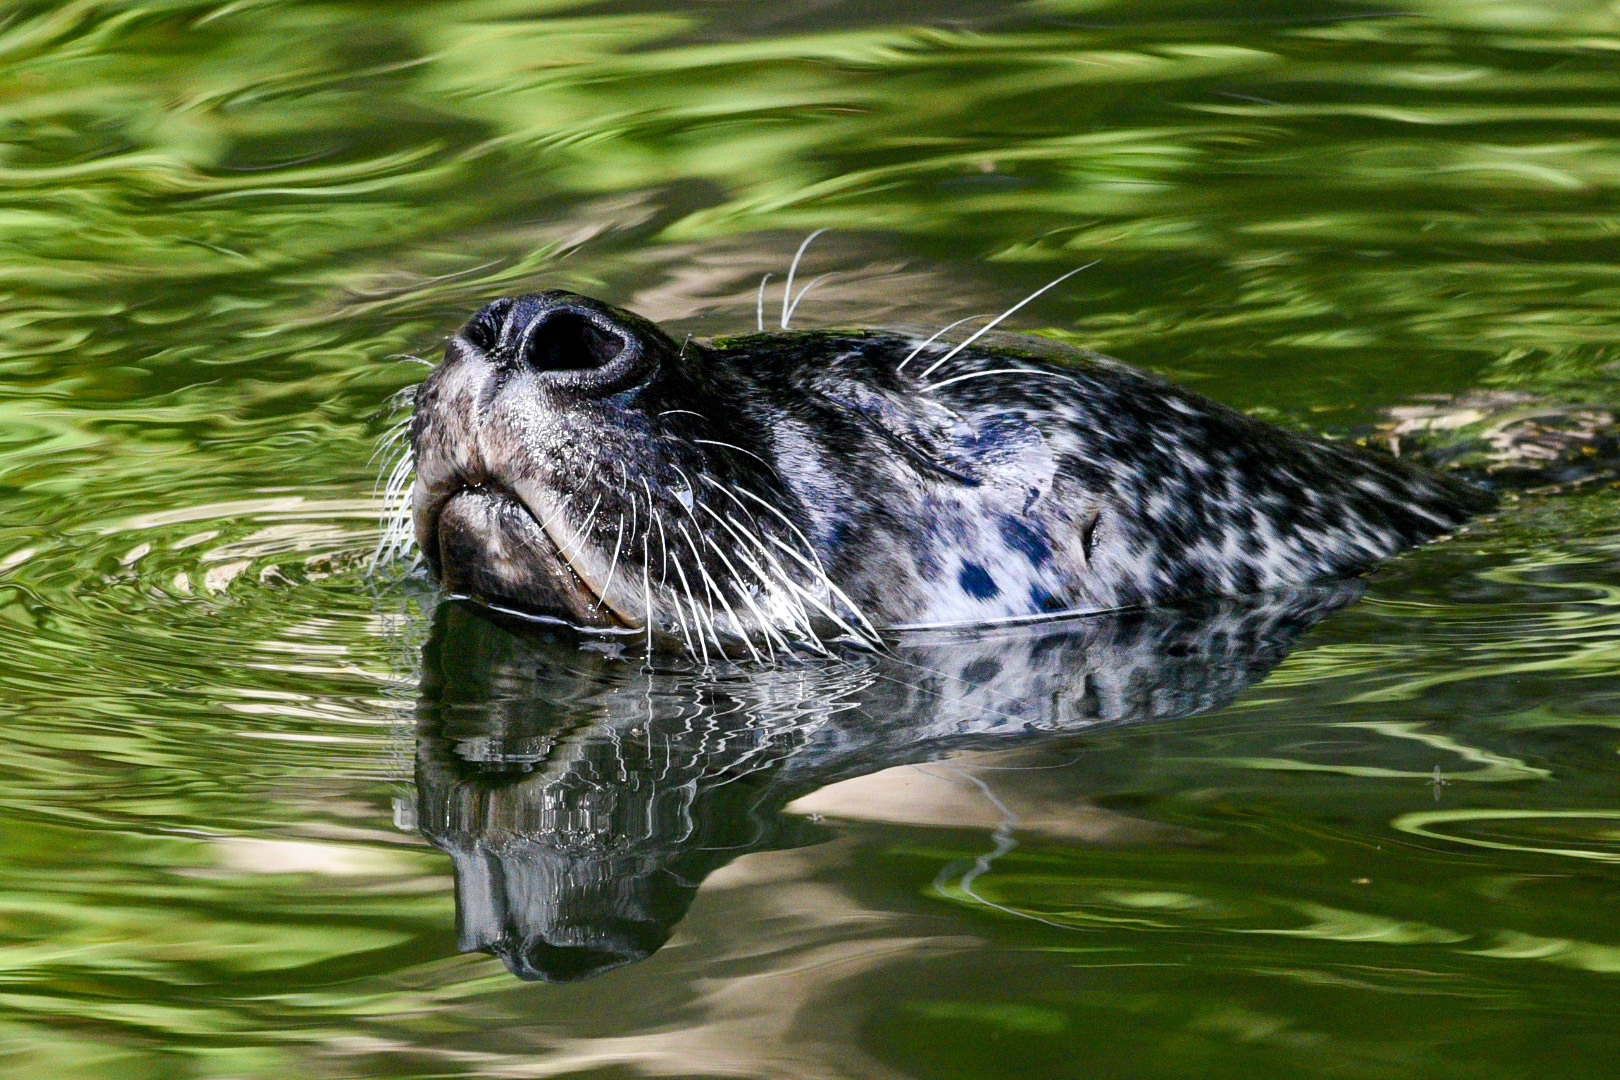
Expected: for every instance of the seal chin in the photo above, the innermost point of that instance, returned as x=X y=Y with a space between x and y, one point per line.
x=491 y=547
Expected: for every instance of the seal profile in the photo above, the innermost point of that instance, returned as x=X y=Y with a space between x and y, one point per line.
x=776 y=489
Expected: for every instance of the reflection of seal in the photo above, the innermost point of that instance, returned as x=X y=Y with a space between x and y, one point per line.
x=573 y=460
x=584 y=800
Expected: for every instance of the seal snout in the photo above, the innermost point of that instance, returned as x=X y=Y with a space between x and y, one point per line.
x=567 y=341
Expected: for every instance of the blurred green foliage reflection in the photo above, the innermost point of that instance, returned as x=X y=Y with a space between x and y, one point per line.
x=222 y=224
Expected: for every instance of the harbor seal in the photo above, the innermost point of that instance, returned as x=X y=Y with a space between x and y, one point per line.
x=771 y=491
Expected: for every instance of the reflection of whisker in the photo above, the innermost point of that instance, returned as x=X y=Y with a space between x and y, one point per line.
x=1004 y=841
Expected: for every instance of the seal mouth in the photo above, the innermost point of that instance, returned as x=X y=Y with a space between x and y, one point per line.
x=492 y=546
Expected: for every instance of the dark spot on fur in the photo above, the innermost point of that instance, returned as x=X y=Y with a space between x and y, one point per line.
x=977 y=582
x=1025 y=540
x=1042 y=600
x=981 y=671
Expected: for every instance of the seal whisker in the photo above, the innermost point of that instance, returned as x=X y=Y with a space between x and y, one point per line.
x=854 y=632
x=697 y=557
x=389 y=477
x=709 y=582
x=734 y=446
x=772 y=584
x=941 y=332
x=390 y=437
x=403 y=398
x=613 y=565
x=795 y=305
x=702 y=614
x=713 y=589
x=805 y=595
x=663 y=579
x=397 y=533
x=809 y=547
x=767 y=628
x=1002 y=371
x=993 y=323
x=697 y=612
x=818 y=572
x=791 y=594
x=663 y=583
x=386 y=451
x=759 y=303
x=793 y=269
x=584 y=531
x=819 y=568
x=646 y=588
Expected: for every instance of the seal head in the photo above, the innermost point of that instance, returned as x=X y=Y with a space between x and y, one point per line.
x=773 y=490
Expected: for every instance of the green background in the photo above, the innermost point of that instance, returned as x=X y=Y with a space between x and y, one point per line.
x=222 y=225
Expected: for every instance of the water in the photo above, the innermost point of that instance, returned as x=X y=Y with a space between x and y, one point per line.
x=1394 y=855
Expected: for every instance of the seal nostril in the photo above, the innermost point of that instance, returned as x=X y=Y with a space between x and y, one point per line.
x=572 y=343
x=567 y=341
x=483 y=330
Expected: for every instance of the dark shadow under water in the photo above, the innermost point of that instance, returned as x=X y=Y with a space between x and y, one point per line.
x=584 y=797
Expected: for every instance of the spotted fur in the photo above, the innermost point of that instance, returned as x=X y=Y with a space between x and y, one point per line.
x=774 y=489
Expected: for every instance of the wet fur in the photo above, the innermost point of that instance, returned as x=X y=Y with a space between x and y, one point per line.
x=778 y=488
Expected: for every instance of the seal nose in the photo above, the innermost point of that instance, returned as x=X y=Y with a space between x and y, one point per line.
x=569 y=341
x=562 y=340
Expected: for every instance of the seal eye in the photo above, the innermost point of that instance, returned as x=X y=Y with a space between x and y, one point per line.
x=567 y=341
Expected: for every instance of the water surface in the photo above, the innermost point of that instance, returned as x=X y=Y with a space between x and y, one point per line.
x=243 y=783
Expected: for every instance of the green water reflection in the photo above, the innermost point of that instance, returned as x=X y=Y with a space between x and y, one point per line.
x=222 y=224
